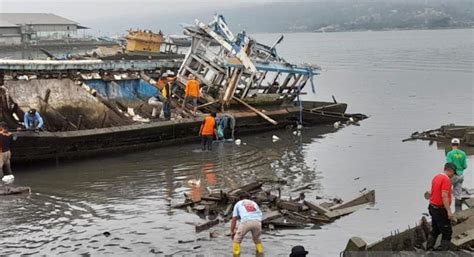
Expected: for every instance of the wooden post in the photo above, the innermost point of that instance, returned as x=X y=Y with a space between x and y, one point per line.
x=255 y=110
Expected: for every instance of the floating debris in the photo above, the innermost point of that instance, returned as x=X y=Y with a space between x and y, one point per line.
x=445 y=134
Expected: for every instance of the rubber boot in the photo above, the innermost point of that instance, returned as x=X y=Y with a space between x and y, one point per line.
x=259 y=247
x=430 y=243
x=236 y=249
x=445 y=245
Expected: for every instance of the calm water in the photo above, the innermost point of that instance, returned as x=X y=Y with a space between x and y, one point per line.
x=405 y=81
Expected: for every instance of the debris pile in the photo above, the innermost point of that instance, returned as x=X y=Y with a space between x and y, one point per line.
x=217 y=207
x=445 y=134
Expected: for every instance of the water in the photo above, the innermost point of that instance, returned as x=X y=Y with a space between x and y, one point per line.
x=405 y=81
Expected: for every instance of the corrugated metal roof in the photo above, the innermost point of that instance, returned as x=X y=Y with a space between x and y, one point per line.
x=6 y=24
x=35 y=18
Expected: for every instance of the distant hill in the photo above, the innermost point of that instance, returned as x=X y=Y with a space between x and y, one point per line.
x=354 y=15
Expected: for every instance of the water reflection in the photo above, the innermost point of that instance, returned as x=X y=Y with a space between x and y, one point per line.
x=130 y=196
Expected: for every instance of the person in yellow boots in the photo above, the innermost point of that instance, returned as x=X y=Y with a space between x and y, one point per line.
x=249 y=215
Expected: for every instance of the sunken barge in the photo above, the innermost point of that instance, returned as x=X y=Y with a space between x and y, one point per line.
x=98 y=106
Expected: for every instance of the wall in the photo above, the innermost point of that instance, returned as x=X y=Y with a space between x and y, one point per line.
x=10 y=40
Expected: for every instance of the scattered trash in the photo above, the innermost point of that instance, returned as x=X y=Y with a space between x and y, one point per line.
x=106 y=234
x=337 y=124
x=275 y=138
x=8 y=179
x=238 y=141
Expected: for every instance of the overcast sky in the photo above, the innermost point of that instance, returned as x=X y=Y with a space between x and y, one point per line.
x=114 y=16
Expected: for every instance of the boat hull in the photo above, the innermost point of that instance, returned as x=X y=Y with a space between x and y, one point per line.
x=39 y=146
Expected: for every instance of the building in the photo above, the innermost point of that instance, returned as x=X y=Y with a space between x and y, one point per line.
x=18 y=28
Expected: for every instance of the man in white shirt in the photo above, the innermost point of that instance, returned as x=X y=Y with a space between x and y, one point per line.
x=250 y=216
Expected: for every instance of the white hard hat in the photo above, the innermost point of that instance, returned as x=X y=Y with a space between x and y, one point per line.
x=455 y=141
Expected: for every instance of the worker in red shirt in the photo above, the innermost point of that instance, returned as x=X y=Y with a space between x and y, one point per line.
x=440 y=208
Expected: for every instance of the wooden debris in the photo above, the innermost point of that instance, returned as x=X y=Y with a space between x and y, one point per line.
x=316 y=207
x=363 y=199
x=276 y=212
x=7 y=190
x=206 y=225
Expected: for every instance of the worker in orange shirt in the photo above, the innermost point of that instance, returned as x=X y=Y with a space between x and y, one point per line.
x=207 y=131
x=191 y=92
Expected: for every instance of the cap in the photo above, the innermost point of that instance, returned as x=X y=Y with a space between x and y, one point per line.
x=455 y=141
x=298 y=251
x=32 y=111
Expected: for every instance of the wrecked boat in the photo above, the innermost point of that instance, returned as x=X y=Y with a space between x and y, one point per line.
x=412 y=242
x=445 y=133
x=93 y=107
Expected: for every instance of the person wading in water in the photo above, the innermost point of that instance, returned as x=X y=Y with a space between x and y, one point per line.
x=207 y=131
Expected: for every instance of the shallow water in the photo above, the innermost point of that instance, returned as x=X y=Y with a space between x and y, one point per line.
x=405 y=81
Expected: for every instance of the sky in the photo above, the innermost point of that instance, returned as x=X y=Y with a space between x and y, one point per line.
x=116 y=16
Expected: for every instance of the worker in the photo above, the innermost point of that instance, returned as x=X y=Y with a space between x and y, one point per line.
x=207 y=131
x=250 y=217
x=440 y=208
x=167 y=94
x=33 y=120
x=298 y=251
x=191 y=93
x=156 y=102
x=458 y=157
x=5 y=141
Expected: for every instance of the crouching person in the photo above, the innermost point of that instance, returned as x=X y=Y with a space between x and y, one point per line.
x=250 y=220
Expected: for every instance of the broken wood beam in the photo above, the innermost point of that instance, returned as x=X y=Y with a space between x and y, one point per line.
x=291 y=206
x=206 y=225
x=245 y=189
x=316 y=207
x=7 y=190
x=261 y=114
x=334 y=214
x=269 y=216
x=368 y=197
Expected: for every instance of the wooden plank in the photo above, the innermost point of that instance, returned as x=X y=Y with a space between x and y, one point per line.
x=7 y=190
x=261 y=114
x=291 y=206
x=206 y=225
x=316 y=207
x=232 y=85
x=368 y=197
x=341 y=212
x=268 y=216
x=469 y=202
